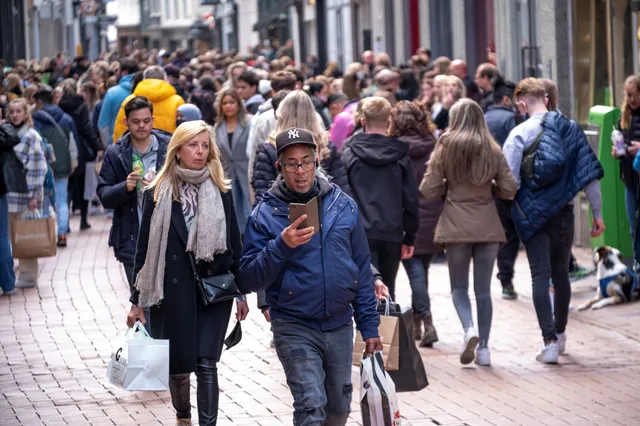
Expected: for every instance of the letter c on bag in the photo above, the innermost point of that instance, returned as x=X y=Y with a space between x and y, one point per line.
x=118 y=352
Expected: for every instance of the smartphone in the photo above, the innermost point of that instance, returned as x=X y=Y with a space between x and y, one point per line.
x=310 y=209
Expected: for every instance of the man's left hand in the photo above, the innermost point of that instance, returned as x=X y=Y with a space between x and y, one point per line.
x=381 y=290
x=598 y=228
x=242 y=310
x=372 y=345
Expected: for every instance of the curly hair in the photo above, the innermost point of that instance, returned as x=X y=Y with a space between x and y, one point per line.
x=410 y=119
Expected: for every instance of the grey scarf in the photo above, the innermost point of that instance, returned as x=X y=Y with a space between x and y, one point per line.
x=207 y=236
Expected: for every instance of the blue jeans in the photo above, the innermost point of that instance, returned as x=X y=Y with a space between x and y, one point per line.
x=418 y=271
x=62 y=205
x=241 y=204
x=7 y=275
x=318 y=369
x=549 y=253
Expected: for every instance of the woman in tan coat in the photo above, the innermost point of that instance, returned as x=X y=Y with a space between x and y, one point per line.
x=466 y=169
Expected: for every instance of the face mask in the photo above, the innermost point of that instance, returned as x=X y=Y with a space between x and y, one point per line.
x=361 y=75
x=179 y=122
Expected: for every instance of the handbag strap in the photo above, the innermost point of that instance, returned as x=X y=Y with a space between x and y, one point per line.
x=193 y=264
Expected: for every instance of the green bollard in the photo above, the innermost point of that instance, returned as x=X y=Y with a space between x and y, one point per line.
x=602 y=121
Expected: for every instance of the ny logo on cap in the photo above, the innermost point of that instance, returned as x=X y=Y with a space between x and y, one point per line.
x=294 y=134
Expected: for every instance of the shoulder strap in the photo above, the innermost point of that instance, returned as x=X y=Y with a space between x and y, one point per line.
x=55 y=124
x=529 y=155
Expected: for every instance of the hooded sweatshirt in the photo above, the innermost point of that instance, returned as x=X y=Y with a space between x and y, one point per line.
x=165 y=102
x=384 y=186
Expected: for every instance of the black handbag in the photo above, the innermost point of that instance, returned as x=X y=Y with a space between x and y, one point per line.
x=215 y=289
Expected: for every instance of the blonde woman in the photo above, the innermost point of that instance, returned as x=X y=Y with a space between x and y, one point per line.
x=188 y=216
x=439 y=83
x=454 y=90
x=466 y=167
x=297 y=110
x=30 y=151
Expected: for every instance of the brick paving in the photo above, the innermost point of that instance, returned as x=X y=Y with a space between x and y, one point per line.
x=54 y=345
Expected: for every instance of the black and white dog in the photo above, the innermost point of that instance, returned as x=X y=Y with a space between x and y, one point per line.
x=617 y=282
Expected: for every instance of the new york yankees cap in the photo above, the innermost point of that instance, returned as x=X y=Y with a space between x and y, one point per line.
x=293 y=136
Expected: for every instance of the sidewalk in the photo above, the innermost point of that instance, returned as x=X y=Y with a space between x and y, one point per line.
x=55 y=342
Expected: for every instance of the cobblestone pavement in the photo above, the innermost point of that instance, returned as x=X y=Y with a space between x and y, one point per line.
x=54 y=344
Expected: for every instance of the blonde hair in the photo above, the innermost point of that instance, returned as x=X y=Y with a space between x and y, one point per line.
x=376 y=109
x=533 y=87
x=25 y=106
x=467 y=153
x=461 y=90
x=69 y=87
x=183 y=134
x=625 y=115
x=297 y=110
x=442 y=80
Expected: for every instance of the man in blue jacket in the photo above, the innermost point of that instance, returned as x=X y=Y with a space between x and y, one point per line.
x=113 y=100
x=120 y=188
x=315 y=280
x=552 y=161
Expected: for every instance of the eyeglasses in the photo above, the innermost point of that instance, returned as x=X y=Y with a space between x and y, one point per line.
x=307 y=166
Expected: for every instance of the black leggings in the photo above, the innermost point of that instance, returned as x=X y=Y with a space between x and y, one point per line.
x=385 y=256
x=207 y=392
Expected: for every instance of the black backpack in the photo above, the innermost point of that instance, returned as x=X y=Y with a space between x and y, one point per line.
x=59 y=139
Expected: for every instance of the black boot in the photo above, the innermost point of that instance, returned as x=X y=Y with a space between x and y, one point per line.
x=179 y=386
x=207 y=375
x=430 y=335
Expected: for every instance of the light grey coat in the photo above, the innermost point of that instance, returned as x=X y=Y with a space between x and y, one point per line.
x=234 y=155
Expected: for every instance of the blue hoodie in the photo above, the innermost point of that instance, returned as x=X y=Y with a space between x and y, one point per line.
x=112 y=102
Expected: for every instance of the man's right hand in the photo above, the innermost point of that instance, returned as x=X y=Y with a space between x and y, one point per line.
x=267 y=315
x=132 y=181
x=294 y=237
x=136 y=313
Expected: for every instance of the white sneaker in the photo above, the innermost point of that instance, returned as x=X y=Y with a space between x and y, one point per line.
x=548 y=354
x=562 y=342
x=471 y=341
x=483 y=357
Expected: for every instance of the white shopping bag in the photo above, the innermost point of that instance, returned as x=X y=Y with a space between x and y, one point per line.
x=378 y=400
x=138 y=362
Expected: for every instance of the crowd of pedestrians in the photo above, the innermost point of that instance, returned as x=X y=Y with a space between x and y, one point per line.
x=200 y=158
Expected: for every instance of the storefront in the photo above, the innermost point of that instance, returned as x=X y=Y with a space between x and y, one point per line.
x=605 y=51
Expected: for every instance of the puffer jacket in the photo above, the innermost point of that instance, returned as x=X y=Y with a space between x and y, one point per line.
x=321 y=284
x=165 y=102
x=265 y=172
x=628 y=175
x=563 y=165
x=420 y=149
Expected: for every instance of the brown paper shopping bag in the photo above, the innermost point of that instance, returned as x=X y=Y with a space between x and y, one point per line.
x=31 y=239
x=388 y=331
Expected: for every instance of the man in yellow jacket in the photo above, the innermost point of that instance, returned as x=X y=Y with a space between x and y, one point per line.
x=161 y=94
